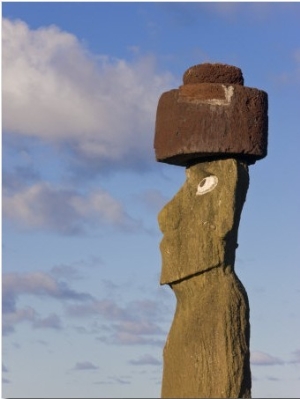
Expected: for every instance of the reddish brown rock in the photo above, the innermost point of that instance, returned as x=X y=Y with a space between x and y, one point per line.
x=213 y=73
x=205 y=120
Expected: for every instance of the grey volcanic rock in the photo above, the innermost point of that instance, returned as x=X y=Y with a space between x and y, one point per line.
x=200 y=231
x=207 y=351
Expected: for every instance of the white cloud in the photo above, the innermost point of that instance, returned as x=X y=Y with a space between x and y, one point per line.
x=264 y=359
x=54 y=89
x=64 y=211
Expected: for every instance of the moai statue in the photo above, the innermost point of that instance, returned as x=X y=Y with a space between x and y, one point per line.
x=215 y=127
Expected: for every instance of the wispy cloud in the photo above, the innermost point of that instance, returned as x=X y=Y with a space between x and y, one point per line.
x=105 y=308
x=145 y=360
x=85 y=366
x=271 y=378
x=186 y=14
x=12 y=317
x=135 y=323
x=124 y=338
x=123 y=380
x=109 y=320
x=153 y=199
x=12 y=180
x=38 y=284
x=4 y=369
x=140 y=327
x=67 y=272
x=52 y=321
x=139 y=332
x=111 y=310
x=256 y=12
x=57 y=91
x=65 y=211
x=290 y=77
x=296 y=58
x=264 y=359
x=295 y=357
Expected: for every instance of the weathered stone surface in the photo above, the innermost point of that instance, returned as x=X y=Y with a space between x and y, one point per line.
x=200 y=231
x=207 y=350
x=213 y=73
x=206 y=120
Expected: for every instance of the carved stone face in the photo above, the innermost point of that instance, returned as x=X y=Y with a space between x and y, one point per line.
x=200 y=223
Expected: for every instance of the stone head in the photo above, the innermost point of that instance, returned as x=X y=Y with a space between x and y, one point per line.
x=200 y=223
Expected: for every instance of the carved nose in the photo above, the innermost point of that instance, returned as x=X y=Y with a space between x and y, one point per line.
x=169 y=216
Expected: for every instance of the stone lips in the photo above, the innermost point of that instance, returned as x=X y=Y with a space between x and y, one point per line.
x=200 y=121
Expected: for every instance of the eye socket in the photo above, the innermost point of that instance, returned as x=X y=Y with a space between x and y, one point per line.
x=207 y=184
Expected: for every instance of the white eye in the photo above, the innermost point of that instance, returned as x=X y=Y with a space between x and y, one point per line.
x=207 y=184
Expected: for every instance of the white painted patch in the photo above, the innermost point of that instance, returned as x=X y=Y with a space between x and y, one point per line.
x=207 y=184
x=228 y=92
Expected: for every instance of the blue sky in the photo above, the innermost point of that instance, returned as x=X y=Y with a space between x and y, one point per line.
x=84 y=315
